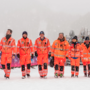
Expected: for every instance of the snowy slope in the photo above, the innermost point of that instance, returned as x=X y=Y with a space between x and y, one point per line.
x=36 y=83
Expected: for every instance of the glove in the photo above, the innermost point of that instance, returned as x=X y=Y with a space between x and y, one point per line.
x=52 y=62
x=36 y=54
x=18 y=55
x=66 y=57
x=32 y=56
x=49 y=54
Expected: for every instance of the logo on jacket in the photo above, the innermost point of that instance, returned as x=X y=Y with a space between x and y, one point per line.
x=39 y=42
x=4 y=41
x=22 y=42
x=55 y=43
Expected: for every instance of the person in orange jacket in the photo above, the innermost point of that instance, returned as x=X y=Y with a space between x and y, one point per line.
x=86 y=57
x=42 y=50
x=59 y=53
x=75 y=53
x=8 y=50
x=24 y=49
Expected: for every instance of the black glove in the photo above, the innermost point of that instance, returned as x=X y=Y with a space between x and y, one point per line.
x=18 y=55
x=66 y=57
x=52 y=62
x=49 y=54
x=32 y=56
x=36 y=54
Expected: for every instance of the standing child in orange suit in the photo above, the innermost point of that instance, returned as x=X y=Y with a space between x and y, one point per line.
x=24 y=49
x=8 y=49
x=42 y=49
x=75 y=53
x=86 y=57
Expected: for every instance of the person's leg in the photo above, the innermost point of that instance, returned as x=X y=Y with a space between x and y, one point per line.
x=77 y=63
x=9 y=60
x=72 y=67
x=89 y=69
x=62 y=62
x=22 y=62
x=28 y=64
x=56 y=65
x=3 y=63
x=40 y=68
x=84 y=69
x=45 y=64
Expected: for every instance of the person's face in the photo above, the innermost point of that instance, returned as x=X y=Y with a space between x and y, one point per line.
x=42 y=35
x=61 y=36
x=74 y=40
x=87 y=41
x=25 y=35
x=8 y=32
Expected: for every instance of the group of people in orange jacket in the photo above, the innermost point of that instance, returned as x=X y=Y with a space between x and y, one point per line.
x=58 y=53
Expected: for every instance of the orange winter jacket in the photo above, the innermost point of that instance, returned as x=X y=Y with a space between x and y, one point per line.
x=60 y=49
x=25 y=46
x=75 y=52
x=8 y=46
x=86 y=52
x=42 y=47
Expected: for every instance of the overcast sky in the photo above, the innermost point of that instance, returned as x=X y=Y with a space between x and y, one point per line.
x=20 y=14
x=68 y=6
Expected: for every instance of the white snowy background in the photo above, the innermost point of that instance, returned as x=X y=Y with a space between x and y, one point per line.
x=36 y=83
x=52 y=16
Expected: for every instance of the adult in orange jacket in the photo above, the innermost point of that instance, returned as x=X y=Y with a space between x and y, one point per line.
x=42 y=49
x=86 y=57
x=24 y=49
x=75 y=53
x=59 y=53
x=7 y=48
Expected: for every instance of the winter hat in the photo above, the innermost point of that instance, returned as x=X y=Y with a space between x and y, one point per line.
x=41 y=32
x=87 y=38
x=75 y=37
x=25 y=32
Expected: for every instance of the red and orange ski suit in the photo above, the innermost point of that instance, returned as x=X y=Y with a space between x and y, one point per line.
x=86 y=56
x=7 y=48
x=75 y=53
x=42 y=48
x=25 y=48
x=60 y=51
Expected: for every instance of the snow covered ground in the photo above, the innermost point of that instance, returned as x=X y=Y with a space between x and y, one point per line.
x=36 y=83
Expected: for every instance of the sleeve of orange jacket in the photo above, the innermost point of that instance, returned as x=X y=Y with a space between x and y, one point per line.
x=35 y=45
x=31 y=47
x=69 y=52
x=81 y=51
x=13 y=46
x=49 y=47
x=67 y=48
x=52 y=49
x=1 y=43
x=18 y=47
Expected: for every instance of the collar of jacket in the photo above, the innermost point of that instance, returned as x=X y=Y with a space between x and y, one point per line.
x=64 y=39
x=42 y=39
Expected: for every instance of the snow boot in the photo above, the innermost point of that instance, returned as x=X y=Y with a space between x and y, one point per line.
x=56 y=75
